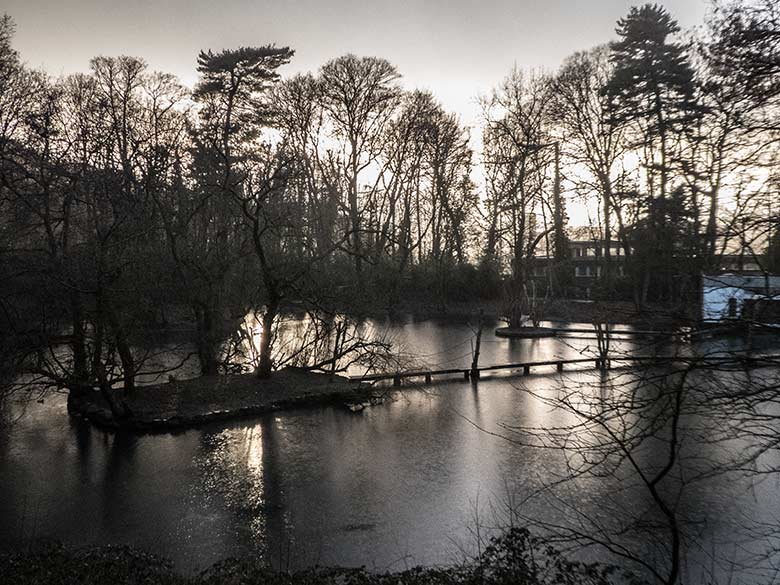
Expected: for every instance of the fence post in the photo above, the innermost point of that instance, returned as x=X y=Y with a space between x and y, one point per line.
x=475 y=360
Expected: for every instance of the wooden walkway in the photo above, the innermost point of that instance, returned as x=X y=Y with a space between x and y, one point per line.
x=651 y=332
x=598 y=364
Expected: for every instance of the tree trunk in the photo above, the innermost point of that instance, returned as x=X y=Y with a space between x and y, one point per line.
x=265 y=365
x=119 y=409
x=207 y=342
x=354 y=214
x=607 y=274
x=76 y=393
x=123 y=347
x=78 y=340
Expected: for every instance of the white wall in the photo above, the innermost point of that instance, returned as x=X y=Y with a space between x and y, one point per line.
x=715 y=301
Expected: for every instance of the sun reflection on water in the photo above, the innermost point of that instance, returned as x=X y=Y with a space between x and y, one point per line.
x=232 y=470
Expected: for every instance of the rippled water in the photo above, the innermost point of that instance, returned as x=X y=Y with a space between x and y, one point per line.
x=403 y=483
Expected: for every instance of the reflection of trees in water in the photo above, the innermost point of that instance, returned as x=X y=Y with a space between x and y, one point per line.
x=231 y=474
x=672 y=448
x=237 y=469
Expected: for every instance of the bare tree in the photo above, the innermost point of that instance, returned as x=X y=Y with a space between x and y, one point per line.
x=580 y=110
x=516 y=156
x=359 y=95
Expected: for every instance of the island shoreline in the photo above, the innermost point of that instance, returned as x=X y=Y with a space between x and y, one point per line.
x=182 y=404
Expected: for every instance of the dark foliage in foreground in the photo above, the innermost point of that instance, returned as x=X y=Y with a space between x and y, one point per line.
x=517 y=557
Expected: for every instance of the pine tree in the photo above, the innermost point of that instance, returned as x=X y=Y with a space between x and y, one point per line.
x=233 y=85
x=652 y=83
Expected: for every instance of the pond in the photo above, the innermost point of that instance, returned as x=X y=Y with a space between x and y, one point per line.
x=422 y=479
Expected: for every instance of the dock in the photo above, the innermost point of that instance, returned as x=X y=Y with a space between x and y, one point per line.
x=596 y=363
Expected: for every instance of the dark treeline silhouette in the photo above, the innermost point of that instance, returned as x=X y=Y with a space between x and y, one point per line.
x=129 y=202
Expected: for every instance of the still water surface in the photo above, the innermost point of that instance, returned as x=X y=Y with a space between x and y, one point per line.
x=399 y=484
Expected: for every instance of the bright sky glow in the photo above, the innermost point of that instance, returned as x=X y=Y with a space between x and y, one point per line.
x=457 y=49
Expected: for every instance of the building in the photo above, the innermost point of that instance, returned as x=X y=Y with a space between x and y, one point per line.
x=587 y=259
x=733 y=297
x=740 y=264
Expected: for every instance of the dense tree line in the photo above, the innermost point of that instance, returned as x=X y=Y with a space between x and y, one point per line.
x=128 y=201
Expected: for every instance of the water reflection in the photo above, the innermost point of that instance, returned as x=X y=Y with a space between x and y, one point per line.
x=400 y=484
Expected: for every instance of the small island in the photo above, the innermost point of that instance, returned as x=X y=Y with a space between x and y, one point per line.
x=180 y=404
x=525 y=332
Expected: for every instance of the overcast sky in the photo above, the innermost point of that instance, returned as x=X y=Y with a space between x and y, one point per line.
x=457 y=49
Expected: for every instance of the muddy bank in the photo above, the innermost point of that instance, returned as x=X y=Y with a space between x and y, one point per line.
x=180 y=404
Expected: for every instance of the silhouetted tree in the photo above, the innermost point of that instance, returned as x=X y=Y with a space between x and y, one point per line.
x=651 y=87
x=232 y=93
x=744 y=49
x=580 y=107
x=521 y=201
x=359 y=95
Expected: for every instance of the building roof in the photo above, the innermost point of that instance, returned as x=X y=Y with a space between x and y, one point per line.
x=584 y=233
x=769 y=283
